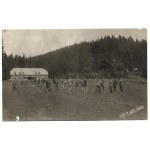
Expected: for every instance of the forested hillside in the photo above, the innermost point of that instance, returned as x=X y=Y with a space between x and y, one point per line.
x=106 y=57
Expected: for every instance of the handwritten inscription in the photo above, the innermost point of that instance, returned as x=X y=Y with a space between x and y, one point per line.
x=131 y=112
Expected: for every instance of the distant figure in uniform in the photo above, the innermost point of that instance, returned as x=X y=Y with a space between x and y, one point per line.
x=110 y=85
x=84 y=85
x=120 y=85
x=103 y=84
x=56 y=85
x=39 y=82
x=77 y=84
x=14 y=86
x=48 y=86
x=98 y=87
x=69 y=85
x=62 y=85
x=114 y=85
x=65 y=85
x=34 y=82
x=42 y=81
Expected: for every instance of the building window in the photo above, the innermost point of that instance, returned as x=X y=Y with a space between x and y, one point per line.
x=15 y=73
x=19 y=72
x=39 y=72
x=35 y=72
x=22 y=72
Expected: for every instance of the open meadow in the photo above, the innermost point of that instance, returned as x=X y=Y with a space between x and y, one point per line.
x=34 y=103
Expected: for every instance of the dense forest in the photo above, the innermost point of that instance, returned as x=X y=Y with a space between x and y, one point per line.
x=104 y=58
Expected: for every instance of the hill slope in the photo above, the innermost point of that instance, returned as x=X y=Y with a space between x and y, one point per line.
x=105 y=57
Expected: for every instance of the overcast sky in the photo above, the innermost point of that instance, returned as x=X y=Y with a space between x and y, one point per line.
x=36 y=42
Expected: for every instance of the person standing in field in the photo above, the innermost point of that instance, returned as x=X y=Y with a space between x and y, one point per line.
x=65 y=85
x=48 y=86
x=98 y=87
x=33 y=82
x=120 y=85
x=56 y=85
x=85 y=86
x=82 y=85
x=69 y=85
x=114 y=85
x=110 y=85
x=14 y=86
x=39 y=82
x=103 y=84
x=76 y=84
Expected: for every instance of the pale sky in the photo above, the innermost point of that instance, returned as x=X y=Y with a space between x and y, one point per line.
x=36 y=42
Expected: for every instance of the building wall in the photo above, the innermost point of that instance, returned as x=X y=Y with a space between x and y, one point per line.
x=21 y=77
x=25 y=73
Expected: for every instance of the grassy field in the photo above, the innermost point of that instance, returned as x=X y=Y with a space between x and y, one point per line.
x=34 y=103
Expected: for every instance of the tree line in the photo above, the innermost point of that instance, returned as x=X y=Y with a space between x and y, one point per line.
x=104 y=58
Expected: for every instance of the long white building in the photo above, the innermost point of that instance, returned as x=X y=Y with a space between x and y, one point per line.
x=28 y=73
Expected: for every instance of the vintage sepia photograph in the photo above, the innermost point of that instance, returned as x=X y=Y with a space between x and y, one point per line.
x=74 y=74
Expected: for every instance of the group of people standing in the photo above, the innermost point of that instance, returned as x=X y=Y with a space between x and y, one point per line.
x=112 y=85
x=69 y=85
x=74 y=85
